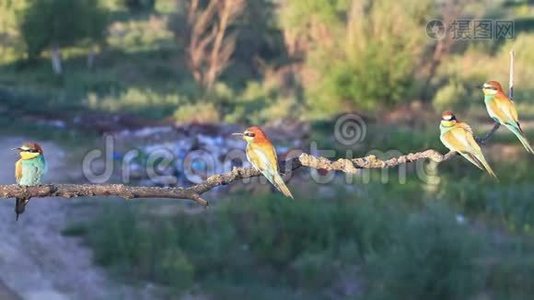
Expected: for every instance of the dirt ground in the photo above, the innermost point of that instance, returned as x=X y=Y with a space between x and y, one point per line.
x=36 y=260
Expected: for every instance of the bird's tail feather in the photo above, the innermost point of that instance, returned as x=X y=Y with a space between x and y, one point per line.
x=522 y=138
x=472 y=159
x=480 y=158
x=479 y=161
x=279 y=183
x=20 y=206
x=488 y=168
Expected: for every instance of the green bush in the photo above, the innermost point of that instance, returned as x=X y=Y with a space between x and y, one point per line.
x=302 y=245
x=304 y=248
x=258 y=103
x=175 y=269
x=134 y=100
x=371 y=78
x=371 y=58
x=432 y=257
x=315 y=270
x=452 y=96
x=197 y=113
x=47 y=23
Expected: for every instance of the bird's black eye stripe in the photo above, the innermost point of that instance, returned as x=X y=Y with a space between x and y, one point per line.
x=249 y=134
x=31 y=151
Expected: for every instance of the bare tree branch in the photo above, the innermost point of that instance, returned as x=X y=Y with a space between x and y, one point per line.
x=369 y=162
x=223 y=44
x=483 y=140
x=210 y=40
x=91 y=190
x=194 y=192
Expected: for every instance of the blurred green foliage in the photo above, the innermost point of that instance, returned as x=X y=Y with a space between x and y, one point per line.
x=450 y=97
x=371 y=61
x=10 y=41
x=133 y=100
x=139 y=5
x=380 y=246
x=60 y=23
x=197 y=113
x=313 y=59
x=432 y=257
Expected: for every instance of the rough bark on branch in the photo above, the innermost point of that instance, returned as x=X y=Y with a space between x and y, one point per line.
x=90 y=190
x=369 y=162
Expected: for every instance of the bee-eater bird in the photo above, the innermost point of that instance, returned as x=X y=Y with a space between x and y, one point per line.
x=28 y=170
x=503 y=111
x=458 y=137
x=262 y=155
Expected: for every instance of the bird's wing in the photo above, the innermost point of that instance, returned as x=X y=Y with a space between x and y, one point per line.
x=255 y=158
x=505 y=110
x=465 y=127
x=460 y=139
x=18 y=171
x=513 y=112
x=43 y=169
x=263 y=157
x=495 y=110
x=31 y=173
x=467 y=135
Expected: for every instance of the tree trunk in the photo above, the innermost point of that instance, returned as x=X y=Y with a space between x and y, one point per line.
x=91 y=58
x=55 y=56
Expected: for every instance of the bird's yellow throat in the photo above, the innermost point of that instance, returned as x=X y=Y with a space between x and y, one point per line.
x=29 y=155
x=450 y=123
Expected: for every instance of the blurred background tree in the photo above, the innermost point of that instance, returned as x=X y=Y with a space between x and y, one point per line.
x=53 y=24
x=205 y=27
x=316 y=57
x=10 y=40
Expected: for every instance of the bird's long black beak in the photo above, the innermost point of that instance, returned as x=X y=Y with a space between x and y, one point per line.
x=237 y=134
x=16 y=149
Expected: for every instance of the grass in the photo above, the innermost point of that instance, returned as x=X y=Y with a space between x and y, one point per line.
x=389 y=240
x=33 y=88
